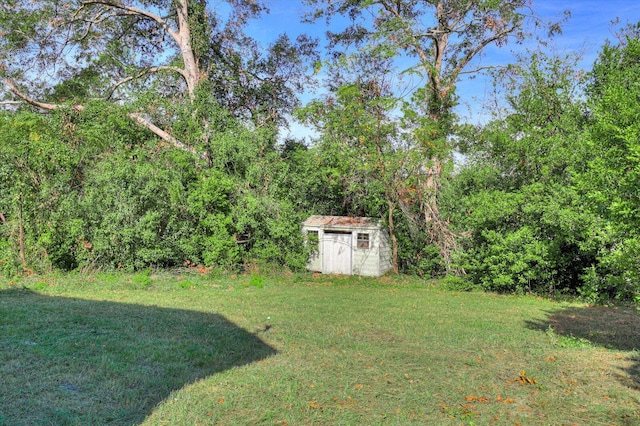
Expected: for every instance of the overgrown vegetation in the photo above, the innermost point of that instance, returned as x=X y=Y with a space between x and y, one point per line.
x=187 y=348
x=88 y=195
x=547 y=202
x=121 y=163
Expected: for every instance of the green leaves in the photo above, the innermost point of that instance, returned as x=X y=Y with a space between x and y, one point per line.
x=549 y=201
x=87 y=189
x=611 y=180
x=526 y=224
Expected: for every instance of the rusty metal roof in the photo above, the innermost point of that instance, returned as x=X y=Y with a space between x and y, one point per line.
x=341 y=222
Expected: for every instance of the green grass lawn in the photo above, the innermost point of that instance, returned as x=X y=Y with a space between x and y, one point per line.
x=304 y=349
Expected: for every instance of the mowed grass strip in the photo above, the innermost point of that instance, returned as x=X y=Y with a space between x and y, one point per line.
x=305 y=349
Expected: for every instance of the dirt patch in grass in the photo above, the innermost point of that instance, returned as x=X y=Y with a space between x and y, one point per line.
x=615 y=328
x=610 y=327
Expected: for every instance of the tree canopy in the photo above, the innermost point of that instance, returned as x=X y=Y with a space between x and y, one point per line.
x=151 y=55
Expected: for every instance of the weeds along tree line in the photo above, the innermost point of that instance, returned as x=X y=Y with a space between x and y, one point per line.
x=145 y=133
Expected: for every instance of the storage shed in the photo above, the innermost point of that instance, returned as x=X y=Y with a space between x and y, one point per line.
x=348 y=245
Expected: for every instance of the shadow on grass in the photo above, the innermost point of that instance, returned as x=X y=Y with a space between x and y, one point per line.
x=610 y=327
x=68 y=361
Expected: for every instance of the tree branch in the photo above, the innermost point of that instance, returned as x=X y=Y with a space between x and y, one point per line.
x=462 y=14
x=100 y=17
x=136 y=117
x=148 y=71
x=472 y=53
x=147 y=124
x=31 y=101
x=181 y=34
x=135 y=11
x=483 y=68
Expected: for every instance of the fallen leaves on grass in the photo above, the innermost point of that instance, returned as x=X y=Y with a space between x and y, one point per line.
x=499 y=398
x=523 y=379
x=472 y=398
x=337 y=403
x=505 y=400
x=345 y=402
x=462 y=411
x=314 y=405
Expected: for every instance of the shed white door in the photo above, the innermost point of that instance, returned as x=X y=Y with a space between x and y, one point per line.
x=336 y=253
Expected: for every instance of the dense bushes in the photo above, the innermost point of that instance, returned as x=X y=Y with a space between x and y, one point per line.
x=536 y=238
x=85 y=193
x=549 y=200
x=612 y=180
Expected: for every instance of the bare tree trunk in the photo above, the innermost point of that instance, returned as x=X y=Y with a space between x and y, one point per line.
x=183 y=39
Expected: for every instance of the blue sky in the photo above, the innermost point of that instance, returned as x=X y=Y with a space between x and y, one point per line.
x=584 y=33
x=589 y=25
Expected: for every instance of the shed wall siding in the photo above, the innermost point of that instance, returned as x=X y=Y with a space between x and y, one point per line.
x=385 y=262
x=366 y=260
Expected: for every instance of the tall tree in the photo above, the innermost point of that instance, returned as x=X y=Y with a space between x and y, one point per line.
x=53 y=52
x=443 y=39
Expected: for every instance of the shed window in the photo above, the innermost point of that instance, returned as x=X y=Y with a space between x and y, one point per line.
x=363 y=241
